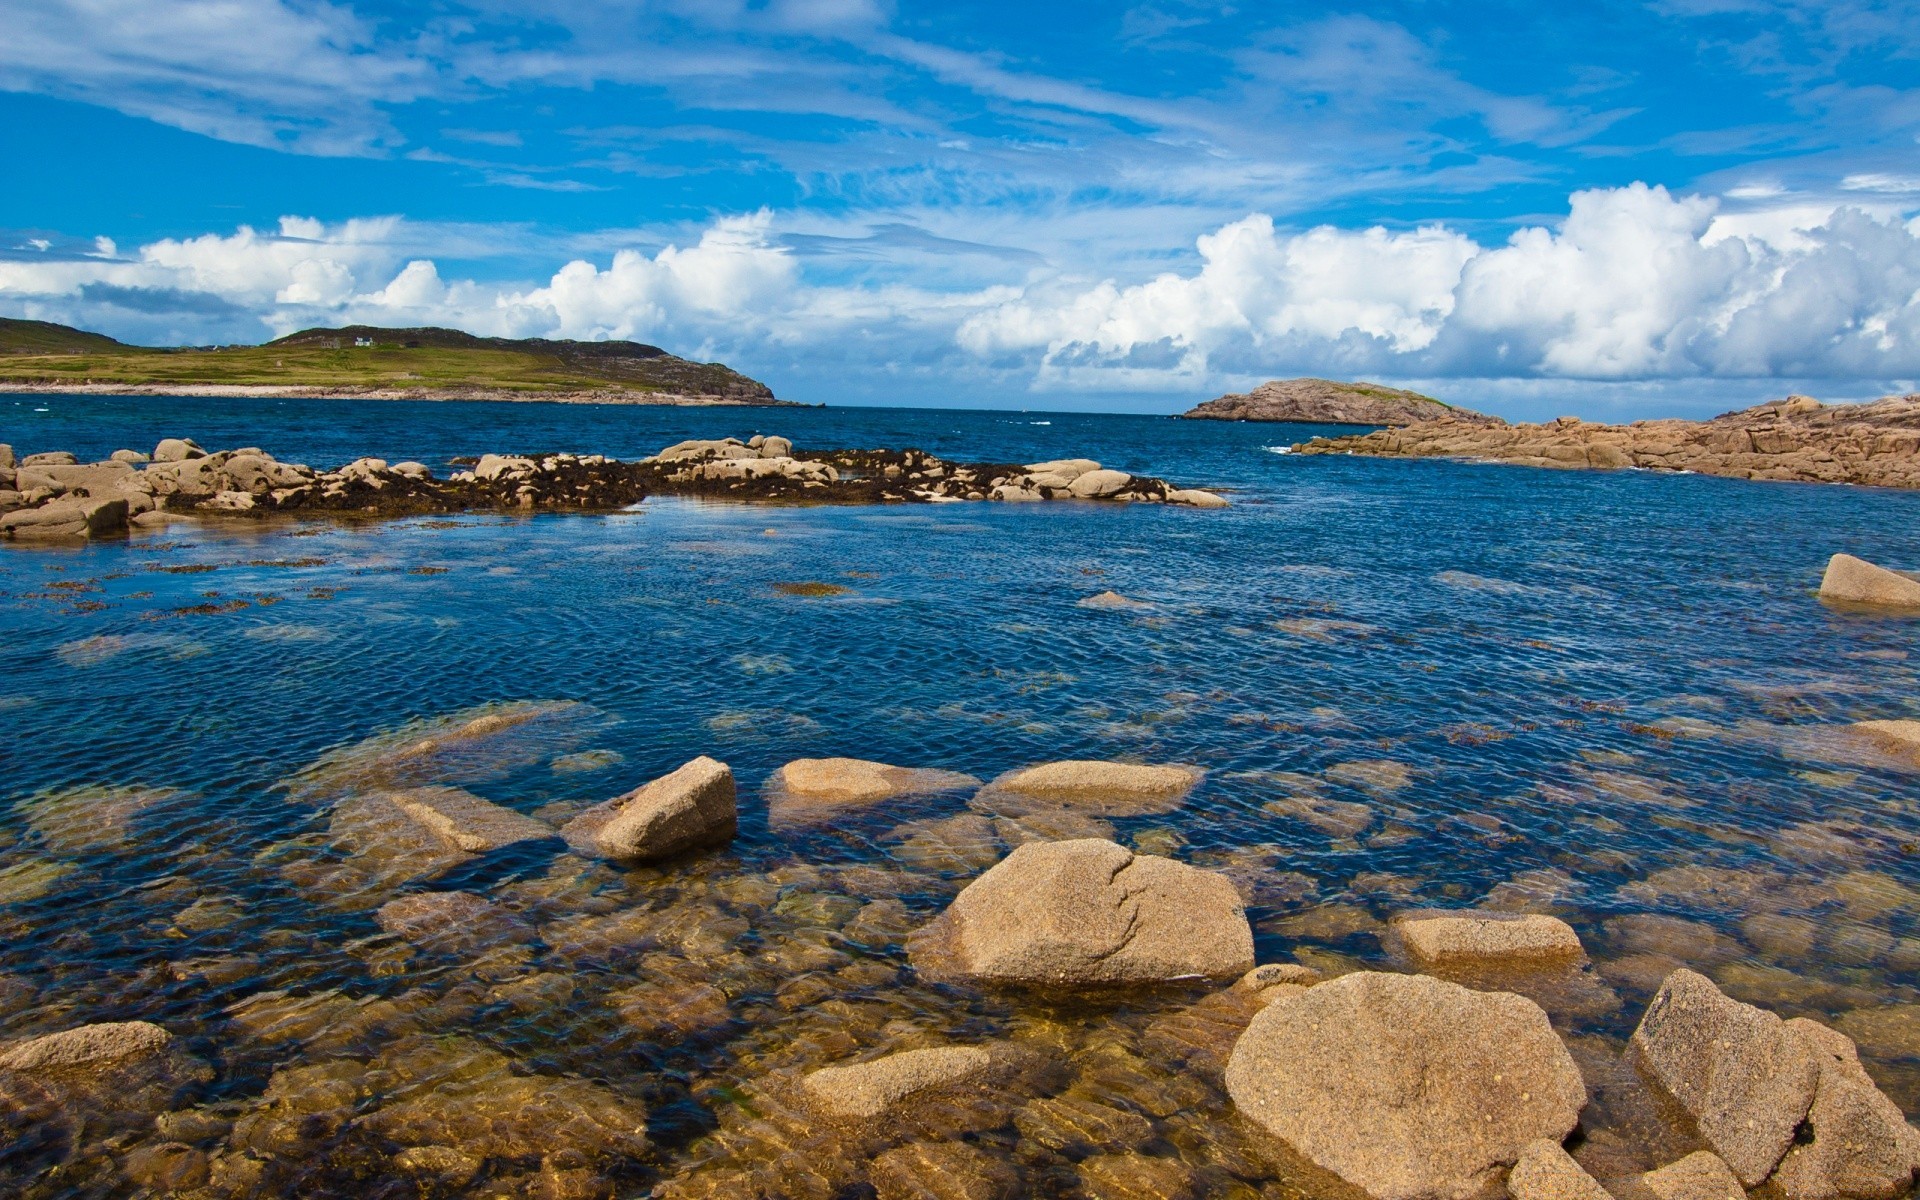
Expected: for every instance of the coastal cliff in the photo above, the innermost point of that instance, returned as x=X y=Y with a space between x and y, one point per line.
x=370 y=363
x=1328 y=402
x=1795 y=439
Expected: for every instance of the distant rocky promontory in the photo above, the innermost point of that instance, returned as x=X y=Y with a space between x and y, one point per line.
x=1796 y=439
x=1329 y=402
x=369 y=362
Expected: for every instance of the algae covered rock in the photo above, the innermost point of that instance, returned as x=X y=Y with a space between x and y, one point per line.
x=1406 y=1087
x=1088 y=912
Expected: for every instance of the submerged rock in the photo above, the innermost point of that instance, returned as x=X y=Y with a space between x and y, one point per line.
x=817 y=788
x=452 y=922
x=872 y=1089
x=466 y=822
x=1853 y=580
x=690 y=809
x=1737 y=1072
x=1899 y=737
x=1406 y=1087
x=1101 y=788
x=1088 y=912
x=941 y=1171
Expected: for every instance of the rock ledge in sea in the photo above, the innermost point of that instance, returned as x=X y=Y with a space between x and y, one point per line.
x=1329 y=402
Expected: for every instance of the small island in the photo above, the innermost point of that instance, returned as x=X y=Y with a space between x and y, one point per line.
x=366 y=362
x=1329 y=402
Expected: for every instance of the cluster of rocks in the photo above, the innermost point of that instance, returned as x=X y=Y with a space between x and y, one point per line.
x=1796 y=439
x=52 y=495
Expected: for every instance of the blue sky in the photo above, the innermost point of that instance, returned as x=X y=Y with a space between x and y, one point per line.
x=1617 y=209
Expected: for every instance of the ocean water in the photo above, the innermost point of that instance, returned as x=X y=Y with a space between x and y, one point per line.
x=1613 y=697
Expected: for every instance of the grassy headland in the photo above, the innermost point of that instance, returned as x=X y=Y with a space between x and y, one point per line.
x=361 y=360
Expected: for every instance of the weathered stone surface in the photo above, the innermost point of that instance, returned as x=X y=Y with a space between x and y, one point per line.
x=1487 y=939
x=809 y=788
x=690 y=809
x=1853 y=580
x=466 y=822
x=1858 y=1144
x=1699 y=1176
x=1088 y=912
x=1407 y=1087
x=1793 y=439
x=1736 y=1071
x=941 y=1171
x=1547 y=1172
x=872 y=1089
x=177 y=450
x=1103 y=788
x=87 y=1049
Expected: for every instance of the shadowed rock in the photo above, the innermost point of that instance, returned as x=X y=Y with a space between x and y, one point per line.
x=1088 y=912
x=1404 y=1086
x=690 y=809
x=1736 y=1071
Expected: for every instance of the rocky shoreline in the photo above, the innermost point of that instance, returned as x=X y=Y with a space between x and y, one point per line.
x=1797 y=439
x=301 y=392
x=1444 y=1072
x=53 y=496
x=1329 y=402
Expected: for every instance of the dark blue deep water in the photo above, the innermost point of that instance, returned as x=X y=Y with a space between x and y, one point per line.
x=1613 y=697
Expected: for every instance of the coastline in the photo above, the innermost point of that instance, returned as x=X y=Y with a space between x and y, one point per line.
x=316 y=392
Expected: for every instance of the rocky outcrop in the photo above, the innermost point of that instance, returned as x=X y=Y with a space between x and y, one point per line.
x=51 y=495
x=1326 y=402
x=1090 y=786
x=1851 y=580
x=691 y=809
x=1737 y=1072
x=1085 y=912
x=1796 y=439
x=1406 y=1087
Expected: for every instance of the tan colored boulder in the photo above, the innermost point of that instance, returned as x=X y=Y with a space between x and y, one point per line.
x=49 y=458
x=1102 y=788
x=1197 y=498
x=1901 y=737
x=87 y=1048
x=690 y=809
x=1404 y=1086
x=1088 y=912
x=1699 y=1176
x=177 y=450
x=1736 y=1071
x=79 y=518
x=1098 y=485
x=1487 y=939
x=818 y=788
x=1853 y=580
x=466 y=822
x=1547 y=1172
x=1859 y=1145
x=872 y=1089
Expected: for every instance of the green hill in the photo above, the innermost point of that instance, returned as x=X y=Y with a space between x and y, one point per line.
x=360 y=359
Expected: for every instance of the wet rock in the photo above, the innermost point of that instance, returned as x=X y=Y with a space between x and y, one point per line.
x=451 y=922
x=1856 y=1144
x=1487 y=939
x=470 y=746
x=1201 y=1036
x=465 y=822
x=1406 y=1087
x=1699 y=1176
x=965 y=843
x=94 y=819
x=1853 y=580
x=1736 y=1071
x=1887 y=1031
x=1335 y=818
x=1080 y=1122
x=690 y=809
x=1899 y=738
x=941 y=1171
x=438 y=1167
x=1058 y=825
x=818 y=788
x=1135 y=1177
x=672 y=1009
x=872 y=1089
x=1544 y=1171
x=1671 y=937
x=117 y=1071
x=167 y=1167
x=1380 y=776
x=1103 y=788
x=1088 y=912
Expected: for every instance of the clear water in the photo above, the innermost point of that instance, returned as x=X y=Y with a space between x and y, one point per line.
x=1605 y=695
